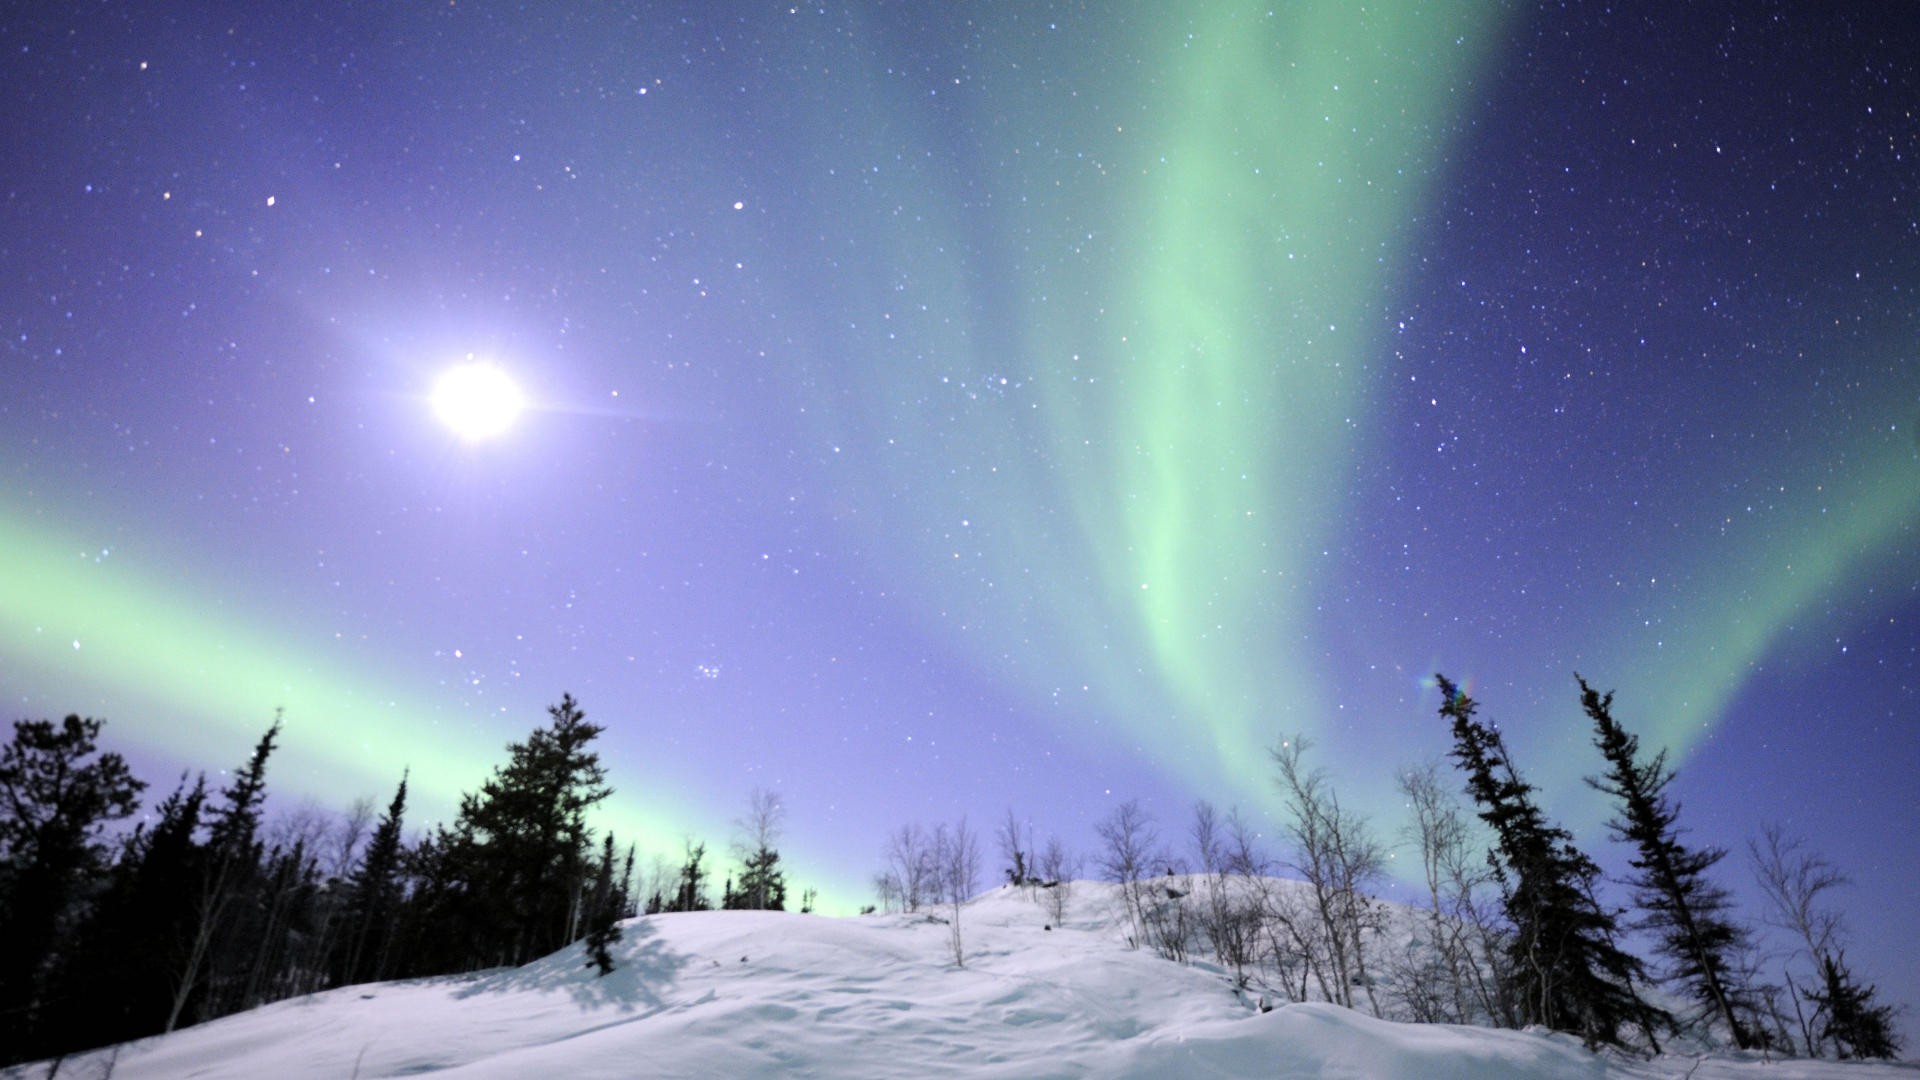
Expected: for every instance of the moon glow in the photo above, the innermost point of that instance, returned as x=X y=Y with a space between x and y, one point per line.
x=476 y=401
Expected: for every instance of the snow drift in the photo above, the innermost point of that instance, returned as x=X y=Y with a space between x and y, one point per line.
x=767 y=994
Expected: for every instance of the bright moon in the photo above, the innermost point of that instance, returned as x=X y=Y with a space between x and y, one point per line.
x=478 y=401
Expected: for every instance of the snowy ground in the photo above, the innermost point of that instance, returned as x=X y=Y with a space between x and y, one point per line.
x=752 y=994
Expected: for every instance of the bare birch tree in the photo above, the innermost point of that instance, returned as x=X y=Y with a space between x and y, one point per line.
x=1338 y=858
x=955 y=858
x=1794 y=882
x=1128 y=841
x=1058 y=867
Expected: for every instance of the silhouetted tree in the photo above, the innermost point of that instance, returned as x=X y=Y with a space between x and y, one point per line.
x=58 y=794
x=513 y=866
x=691 y=893
x=1795 y=881
x=1016 y=847
x=373 y=897
x=1858 y=1026
x=605 y=906
x=1686 y=912
x=1568 y=972
x=228 y=867
x=120 y=980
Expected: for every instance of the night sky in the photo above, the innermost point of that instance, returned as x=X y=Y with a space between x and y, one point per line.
x=936 y=408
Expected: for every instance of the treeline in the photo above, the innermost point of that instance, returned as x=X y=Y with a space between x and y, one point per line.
x=208 y=908
x=1513 y=932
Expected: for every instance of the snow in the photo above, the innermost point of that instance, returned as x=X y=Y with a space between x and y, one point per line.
x=767 y=994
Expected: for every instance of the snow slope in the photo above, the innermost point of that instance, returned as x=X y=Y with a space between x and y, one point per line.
x=765 y=994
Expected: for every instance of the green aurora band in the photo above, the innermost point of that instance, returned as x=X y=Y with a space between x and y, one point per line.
x=1188 y=269
x=97 y=627
x=1194 y=314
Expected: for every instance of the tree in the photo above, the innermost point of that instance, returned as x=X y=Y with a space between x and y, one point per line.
x=1129 y=842
x=1459 y=979
x=955 y=855
x=1220 y=908
x=1858 y=1027
x=908 y=877
x=120 y=982
x=691 y=894
x=605 y=907
x=1058 y=867
x=58 y=794
x=514 y=864
x=373 y=896
x=1016 y=847
x=1686 y=912
x=1568 y=973
x=228 y=866
x=1794 y=881
x=1339 y=860
x=763 y=885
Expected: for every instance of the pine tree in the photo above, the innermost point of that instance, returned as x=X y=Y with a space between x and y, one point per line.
x=1858 y=1027
x=605 y=906
x=120 y=981
x=691 y=895
x=230 y=865
x=373 y=897
x=1685 y=911
x=514 y=863
x=1568 y=972
x=57 y=795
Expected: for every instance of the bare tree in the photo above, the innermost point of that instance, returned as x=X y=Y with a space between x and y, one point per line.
x=350 y=835
x=1278 y=928
x=1058 y=868
x=1230 y=922
x=1794 y=880
x=1339 y=859
x=1128 y=842
x=658 y=883
x=761 y=826
x=955 y=859
x=1459 y=929
x=908 y=876
x=756 y=846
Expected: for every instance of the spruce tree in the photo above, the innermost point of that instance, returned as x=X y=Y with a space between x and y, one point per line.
x=1858 y=1026
x=57 y=795
x=1680 y=906
x=605 y=905
x=763 y=885
x=119 y=982
x=516 y=858
x=1568 y=972
x=373 y=897
x=691 y=895
x=229 y=872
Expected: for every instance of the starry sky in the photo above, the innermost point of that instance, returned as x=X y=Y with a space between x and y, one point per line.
x=936 y=408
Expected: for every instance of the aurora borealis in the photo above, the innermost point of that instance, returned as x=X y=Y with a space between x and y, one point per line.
x=940 y=408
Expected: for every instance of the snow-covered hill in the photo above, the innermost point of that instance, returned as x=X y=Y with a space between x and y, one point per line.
x=764 y=994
